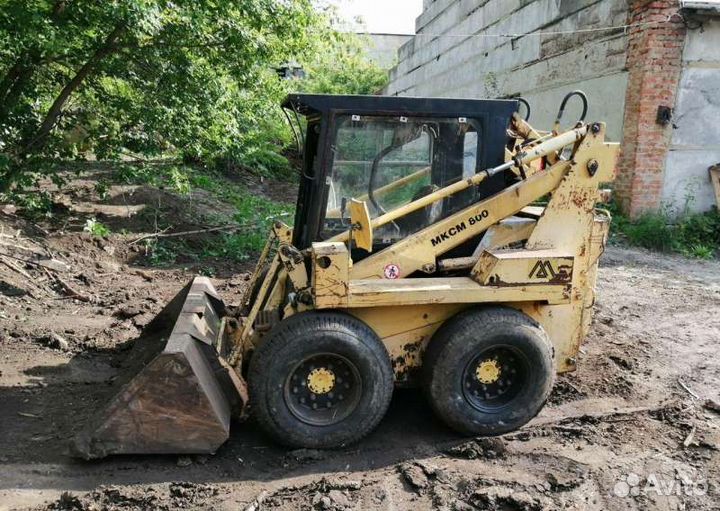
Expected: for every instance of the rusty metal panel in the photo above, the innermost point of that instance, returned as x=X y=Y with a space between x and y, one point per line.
x=177 y=395
x=523 y=267
x=330 y=274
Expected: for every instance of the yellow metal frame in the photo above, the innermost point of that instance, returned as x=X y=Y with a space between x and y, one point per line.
x=551 y=278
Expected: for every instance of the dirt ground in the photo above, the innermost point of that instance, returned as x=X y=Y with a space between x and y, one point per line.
x=631 y=429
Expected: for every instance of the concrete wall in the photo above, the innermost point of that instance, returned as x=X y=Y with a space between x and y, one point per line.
x=382 y=48
x=442 y=61
x=695 y=142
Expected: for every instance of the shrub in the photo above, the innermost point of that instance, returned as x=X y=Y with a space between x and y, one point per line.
x=691 y=234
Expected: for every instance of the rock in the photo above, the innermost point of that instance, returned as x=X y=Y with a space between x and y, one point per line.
x=60 y=342
x=414 y=475
x=8 y=209
x=107 y=266
x=142 y=320
x=55 y=341
x=709 y=404
x=479 y=448
x=316 y=498
x=128 y=312
x=459 y=505
x=559 y=481
x=339 y=498
x=145 y=275
x=505 y=498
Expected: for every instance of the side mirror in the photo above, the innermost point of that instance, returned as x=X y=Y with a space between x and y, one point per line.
x=361 y=228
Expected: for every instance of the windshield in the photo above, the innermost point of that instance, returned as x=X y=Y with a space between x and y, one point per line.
x=391 y=161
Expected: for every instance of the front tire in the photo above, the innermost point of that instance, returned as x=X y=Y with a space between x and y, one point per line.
x=488 y=371
x=320 y=380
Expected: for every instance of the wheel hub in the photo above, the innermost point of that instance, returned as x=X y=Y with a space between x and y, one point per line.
x=487 y=371
x=323 y=389
x=321 y=380
x=494 y=377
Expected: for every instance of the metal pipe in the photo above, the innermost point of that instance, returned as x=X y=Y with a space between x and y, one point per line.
x=383 y=190
x=552 y=145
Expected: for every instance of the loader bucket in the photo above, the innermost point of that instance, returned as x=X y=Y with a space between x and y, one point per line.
x=177 y=393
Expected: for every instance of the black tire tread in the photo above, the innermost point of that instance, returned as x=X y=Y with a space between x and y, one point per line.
x=286 y=333
x=479 y=321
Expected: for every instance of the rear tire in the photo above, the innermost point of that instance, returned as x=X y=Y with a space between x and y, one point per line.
x=320 y=380
x=488 y=371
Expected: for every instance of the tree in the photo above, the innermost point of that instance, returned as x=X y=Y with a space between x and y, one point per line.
x=190 y=78
x=341 y=66
x=137 y=74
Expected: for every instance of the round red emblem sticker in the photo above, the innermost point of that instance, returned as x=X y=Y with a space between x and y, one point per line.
x=392 y=271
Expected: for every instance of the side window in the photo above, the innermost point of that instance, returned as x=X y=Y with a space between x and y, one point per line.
x=404 y=172
x=384 y=157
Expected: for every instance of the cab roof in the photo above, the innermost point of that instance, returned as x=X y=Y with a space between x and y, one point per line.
x=313 y=104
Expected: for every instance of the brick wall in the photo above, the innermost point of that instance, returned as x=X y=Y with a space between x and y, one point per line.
x=654 y=62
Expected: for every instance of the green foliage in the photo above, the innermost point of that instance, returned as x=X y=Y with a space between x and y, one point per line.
x=161 y=254
x=96 y=228
x=179 y=181
x=33 y=204
x=691 y=234
x=254 y=214
x=192 y=78
x=341 y=67
x=102 y=188
x=701 y=251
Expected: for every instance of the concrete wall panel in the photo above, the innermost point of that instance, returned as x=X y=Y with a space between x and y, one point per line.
x=541 y=68
x=697 y=113
x=695 y=143
x=686 y=183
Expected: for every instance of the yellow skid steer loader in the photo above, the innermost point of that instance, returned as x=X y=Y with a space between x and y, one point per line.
x=442 y=243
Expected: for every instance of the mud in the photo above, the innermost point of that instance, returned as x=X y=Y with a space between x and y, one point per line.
x=628 y=430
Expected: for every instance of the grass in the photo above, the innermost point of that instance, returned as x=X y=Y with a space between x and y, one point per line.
x=691 y=234
x=253 y=213
x=96 y=228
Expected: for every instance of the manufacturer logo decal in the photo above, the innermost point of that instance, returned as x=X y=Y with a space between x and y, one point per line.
x=542 y=270
x=392 y=271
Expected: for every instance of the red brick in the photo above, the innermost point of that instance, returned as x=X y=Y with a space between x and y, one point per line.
x=654 y=61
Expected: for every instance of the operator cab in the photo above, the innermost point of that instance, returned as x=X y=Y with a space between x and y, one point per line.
x=389 y=151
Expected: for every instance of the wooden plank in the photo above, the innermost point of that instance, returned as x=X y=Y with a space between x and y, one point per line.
x=715 y=178
x=535 y=211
